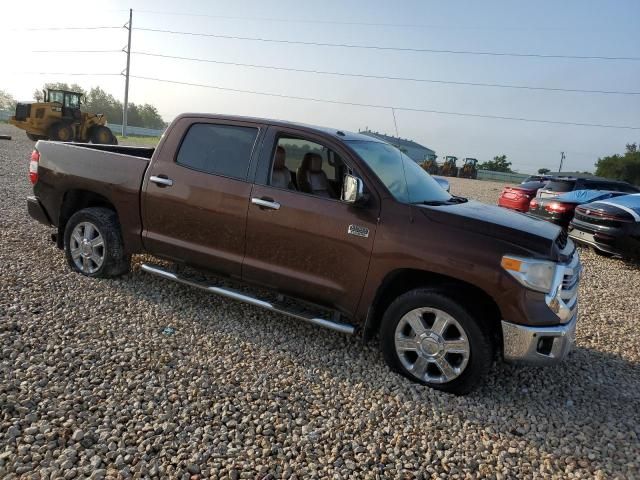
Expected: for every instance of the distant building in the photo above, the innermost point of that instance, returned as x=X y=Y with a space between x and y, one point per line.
x=415 y=151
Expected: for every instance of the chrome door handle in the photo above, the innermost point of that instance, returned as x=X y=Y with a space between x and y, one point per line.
x=165 y=182
x=262 y=203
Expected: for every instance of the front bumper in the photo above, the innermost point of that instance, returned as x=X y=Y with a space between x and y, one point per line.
x=538 y=345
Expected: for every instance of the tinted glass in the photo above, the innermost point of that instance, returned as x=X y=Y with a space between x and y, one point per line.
x=615 y=187
x=403 y=177
x=218 y=149
x=56 y=97
x=530 y=185
x=71 y=101
x=560 y=185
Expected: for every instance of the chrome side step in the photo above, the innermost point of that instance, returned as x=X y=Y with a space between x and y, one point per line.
x=229 y=293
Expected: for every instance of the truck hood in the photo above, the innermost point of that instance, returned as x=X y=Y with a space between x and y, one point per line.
x=516 y=228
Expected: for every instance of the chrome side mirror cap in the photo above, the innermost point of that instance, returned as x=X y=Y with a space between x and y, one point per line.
x=352 y=190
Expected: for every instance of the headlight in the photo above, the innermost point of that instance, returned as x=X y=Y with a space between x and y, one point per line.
x=534 y=274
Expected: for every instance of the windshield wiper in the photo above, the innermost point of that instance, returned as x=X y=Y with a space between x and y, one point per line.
x=435 y=203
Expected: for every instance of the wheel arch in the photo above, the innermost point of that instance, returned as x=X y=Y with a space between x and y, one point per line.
x=400 y=281
x=75 y=200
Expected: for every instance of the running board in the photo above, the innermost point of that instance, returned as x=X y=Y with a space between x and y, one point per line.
x=229 y=293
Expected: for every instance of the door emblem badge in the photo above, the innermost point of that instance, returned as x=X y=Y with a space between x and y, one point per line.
x=358 y=231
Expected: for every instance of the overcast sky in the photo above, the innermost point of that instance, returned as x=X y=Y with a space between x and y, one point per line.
x=577 y=28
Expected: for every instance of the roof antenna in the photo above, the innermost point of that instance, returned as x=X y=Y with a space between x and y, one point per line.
x=393 y=112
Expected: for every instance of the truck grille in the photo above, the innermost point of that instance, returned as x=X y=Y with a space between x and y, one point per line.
x=23 y=111
x=571 y=283
x=561 y=241
x=604 y=222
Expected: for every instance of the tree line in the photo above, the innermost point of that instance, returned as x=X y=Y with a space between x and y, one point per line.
x=96 y=100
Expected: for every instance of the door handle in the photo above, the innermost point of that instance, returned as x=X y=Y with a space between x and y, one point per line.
x=266 y=203
x=161 y=181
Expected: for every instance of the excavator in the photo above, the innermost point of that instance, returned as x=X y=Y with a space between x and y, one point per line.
x=58 y=117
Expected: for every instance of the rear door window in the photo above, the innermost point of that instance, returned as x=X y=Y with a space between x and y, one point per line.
x=218 y=149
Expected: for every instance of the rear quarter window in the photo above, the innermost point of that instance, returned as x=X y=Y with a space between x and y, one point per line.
x=218 y=149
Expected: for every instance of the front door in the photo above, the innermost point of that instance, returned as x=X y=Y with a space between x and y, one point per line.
x=301 y=239
x=195 y=204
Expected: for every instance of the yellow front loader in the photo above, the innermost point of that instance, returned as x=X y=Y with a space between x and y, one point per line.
x=59 y=118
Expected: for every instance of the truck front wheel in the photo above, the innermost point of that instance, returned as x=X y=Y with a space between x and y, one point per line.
x=93 y=243
x=432 y=339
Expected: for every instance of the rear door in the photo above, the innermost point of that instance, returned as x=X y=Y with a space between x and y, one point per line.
x=309 y=244
x=196 y=194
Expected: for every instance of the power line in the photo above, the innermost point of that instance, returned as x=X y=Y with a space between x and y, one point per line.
x=388 y=107
x=383 y=77
x=69 y=73
x=42 y=29
x=76 y=51
x=347 y=23
x=380 y=47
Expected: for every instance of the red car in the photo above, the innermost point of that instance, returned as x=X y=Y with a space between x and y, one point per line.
x=518 y=197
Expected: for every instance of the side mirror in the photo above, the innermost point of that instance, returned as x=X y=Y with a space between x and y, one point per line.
x=352 y=190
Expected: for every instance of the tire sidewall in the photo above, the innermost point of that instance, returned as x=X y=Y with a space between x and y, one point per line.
x=481 y=351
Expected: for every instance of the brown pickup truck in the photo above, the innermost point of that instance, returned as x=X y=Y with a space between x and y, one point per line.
x=333 y=228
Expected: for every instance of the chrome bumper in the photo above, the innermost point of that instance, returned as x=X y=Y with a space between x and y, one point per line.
x=538 y=345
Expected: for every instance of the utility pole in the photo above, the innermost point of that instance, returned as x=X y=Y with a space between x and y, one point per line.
x=126 y=79
x=561 y=160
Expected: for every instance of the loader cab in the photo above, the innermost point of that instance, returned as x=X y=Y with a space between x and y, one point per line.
x=70 y=102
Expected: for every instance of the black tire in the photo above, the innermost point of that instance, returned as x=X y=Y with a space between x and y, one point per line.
x=114 y=260
x=102 y=135
x=480 y=348
x=61 y=132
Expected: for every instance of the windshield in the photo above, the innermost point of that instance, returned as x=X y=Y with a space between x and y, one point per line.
x=404 y=178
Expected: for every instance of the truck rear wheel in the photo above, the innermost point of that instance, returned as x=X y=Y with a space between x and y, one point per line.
x=93 y=243
x=61 y=132
x=432 y=339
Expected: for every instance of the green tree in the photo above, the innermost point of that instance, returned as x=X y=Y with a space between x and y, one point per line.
x=7 y=102
x=543 y=171
x=498 y=164
x=621 y=167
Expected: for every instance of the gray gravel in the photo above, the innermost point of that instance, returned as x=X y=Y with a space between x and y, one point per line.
x=90 y=387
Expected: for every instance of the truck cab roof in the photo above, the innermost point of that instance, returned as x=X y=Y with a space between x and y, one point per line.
x=341 y=135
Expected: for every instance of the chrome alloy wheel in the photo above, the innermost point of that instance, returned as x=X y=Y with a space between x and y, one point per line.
x=432 y=345
x=87 y=247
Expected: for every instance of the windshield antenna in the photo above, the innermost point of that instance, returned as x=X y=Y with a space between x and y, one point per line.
x=395 y=123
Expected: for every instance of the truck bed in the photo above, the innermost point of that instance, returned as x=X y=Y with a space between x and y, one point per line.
x=111 y=172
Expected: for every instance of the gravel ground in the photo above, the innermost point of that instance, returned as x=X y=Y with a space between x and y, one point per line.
x=89 y=386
